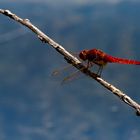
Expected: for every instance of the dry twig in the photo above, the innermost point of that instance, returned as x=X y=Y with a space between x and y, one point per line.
x=73 y=60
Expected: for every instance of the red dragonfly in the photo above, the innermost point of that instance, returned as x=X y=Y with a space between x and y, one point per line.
x=100 y=58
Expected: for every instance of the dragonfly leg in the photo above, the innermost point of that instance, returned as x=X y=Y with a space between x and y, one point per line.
x=89 y=64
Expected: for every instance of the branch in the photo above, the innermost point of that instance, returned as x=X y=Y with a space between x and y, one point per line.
x=73 y=60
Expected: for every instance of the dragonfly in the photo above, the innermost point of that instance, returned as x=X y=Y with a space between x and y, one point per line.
x=97 y=57
x=100 y=58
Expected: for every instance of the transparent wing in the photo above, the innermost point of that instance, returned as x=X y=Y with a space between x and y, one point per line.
x=61 y=70
x=71 y=77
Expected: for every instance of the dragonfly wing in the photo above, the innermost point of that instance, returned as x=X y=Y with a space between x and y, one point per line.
x=71 y=77
x=60 y=70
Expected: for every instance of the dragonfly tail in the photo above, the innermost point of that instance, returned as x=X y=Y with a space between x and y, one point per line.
x=122 y=61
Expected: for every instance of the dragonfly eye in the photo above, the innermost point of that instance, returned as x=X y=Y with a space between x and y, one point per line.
x=83 y=55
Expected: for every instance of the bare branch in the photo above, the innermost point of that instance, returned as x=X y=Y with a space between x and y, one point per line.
x=73 y=60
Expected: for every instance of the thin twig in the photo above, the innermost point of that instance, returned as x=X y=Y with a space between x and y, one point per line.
x=73 y=60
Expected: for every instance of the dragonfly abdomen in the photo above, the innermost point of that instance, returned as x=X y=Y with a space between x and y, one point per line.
x=112 y=59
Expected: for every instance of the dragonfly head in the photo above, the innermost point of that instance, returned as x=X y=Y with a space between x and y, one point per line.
x=83 y=55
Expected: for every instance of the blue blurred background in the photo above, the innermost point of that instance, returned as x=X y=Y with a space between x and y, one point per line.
x=34 y=105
